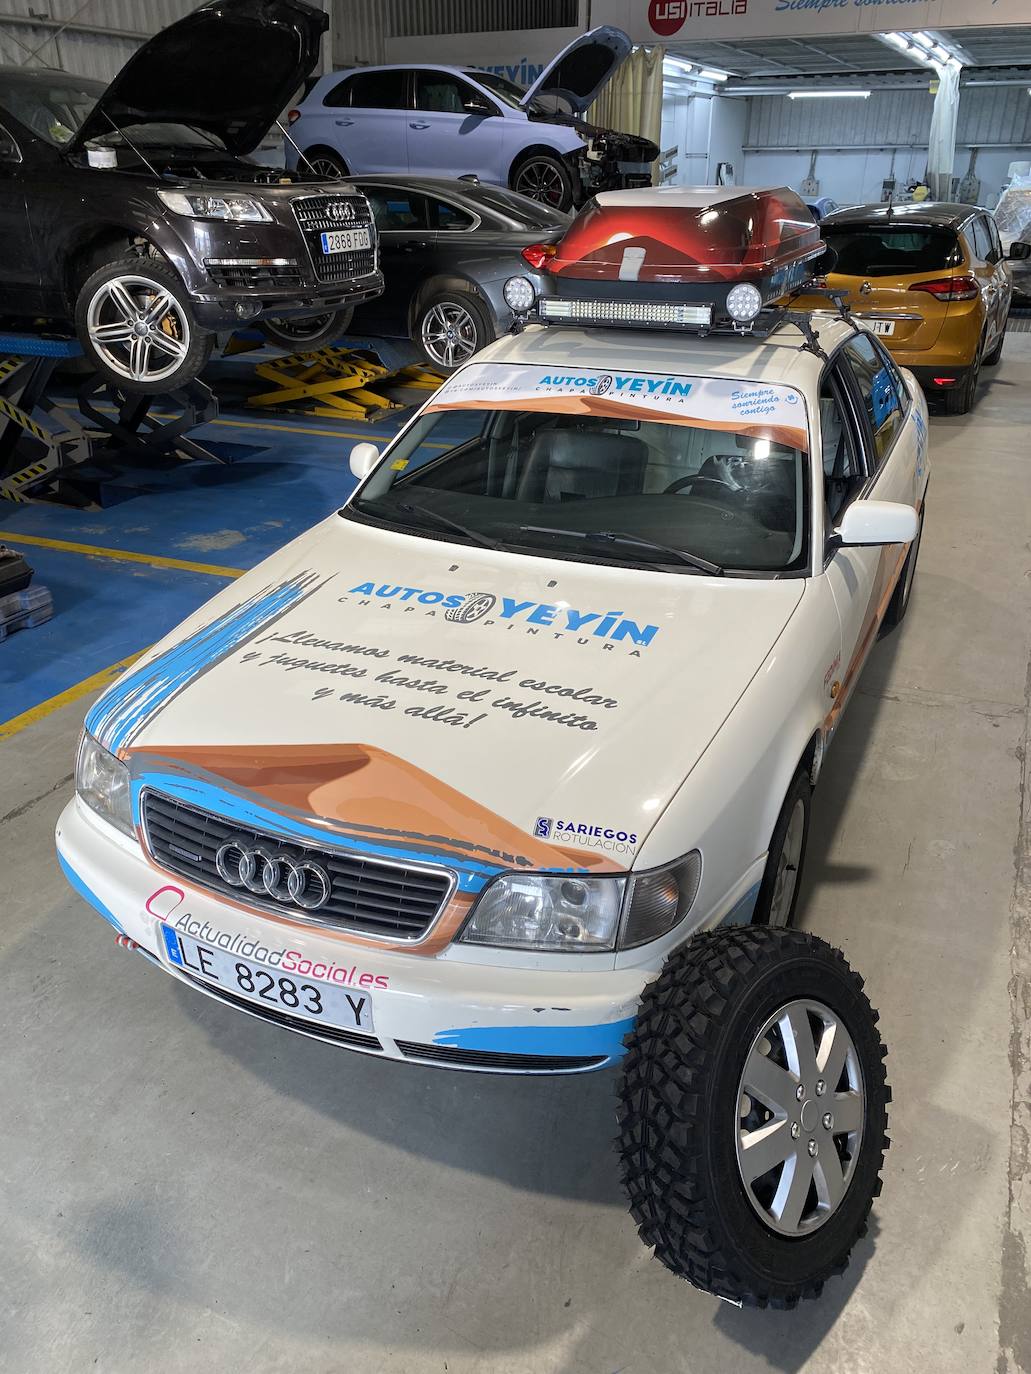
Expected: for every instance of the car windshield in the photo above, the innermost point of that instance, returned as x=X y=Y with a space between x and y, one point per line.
x=683 y=474
x=869 y=250
x=51 y=104
x=507 y=91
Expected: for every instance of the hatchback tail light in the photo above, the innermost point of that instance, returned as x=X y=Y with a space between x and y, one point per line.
x=949 y=288
x=537 y=254
x=292 y=116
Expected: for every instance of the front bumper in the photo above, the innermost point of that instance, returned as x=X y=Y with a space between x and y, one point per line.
x=441 y=1010
x=228 y=307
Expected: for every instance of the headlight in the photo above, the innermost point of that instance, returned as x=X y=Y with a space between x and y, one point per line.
x=561 y=913
x=241 y=209
x=103 y=784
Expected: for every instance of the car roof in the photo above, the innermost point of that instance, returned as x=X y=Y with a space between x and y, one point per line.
x=779 y=358
x=941 y=214
x=400 y=67
x=682 y=197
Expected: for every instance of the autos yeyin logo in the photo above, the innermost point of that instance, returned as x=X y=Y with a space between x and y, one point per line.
x=602 y=385
x=271 y=873
x=475 y=606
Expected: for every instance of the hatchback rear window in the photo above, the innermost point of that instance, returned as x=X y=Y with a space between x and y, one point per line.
x=878 y=251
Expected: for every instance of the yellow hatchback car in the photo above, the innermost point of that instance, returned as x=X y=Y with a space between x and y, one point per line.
x=932 y=281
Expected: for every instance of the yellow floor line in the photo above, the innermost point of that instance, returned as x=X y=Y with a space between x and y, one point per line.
x=152 y=560
x=65 y=698
x=288 y=429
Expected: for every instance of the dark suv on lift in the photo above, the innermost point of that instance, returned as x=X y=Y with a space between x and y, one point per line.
x=133 y=210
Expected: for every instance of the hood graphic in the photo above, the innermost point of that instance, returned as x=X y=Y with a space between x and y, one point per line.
x=583 y=68
x=462 y=705
x=228 y=68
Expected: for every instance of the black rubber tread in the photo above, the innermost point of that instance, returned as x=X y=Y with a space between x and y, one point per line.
x=677 y=1107
x=160 y=271
x=994 y=357
x=326 y=336
x=800 y=787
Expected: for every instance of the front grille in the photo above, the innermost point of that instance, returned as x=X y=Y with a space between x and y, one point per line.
x=314 y=217
x=356 y=1039
x=394 y=901
x=492 y=1060
x=243 y=278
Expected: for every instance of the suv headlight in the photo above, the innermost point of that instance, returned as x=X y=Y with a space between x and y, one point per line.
x=241 y=209
x=566 y=914
x=102 y=781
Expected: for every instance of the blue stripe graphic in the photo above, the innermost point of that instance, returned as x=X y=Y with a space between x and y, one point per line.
x=587 y=1041
x=249 y=812
x=88 y=893
x=125 y=708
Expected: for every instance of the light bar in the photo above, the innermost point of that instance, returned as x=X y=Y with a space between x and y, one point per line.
x=559 y=310
x=828 y=95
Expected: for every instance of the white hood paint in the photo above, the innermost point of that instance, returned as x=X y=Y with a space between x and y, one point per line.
x=658 y=661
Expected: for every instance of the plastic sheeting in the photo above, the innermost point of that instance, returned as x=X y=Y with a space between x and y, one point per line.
x=1013 y=212
x=941 y=142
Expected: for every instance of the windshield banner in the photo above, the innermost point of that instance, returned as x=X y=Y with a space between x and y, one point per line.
x=759 y=410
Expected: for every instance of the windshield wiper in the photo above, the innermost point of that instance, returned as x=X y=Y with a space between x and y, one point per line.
x=619 y=537
x=414 y=508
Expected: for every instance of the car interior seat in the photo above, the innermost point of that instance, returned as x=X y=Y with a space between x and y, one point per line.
x=573 y=464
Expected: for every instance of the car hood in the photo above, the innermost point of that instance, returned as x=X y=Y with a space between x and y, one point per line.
x=445 y=700
x=228 y=68
x=583 y=68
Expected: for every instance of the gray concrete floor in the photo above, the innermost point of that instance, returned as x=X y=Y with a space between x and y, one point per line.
x=185 y=1189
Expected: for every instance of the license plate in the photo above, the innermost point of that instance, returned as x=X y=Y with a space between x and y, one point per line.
x=308 y=998
x=880 y=326
x=345 y=240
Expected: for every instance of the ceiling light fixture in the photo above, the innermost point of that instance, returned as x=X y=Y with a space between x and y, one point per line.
x=710 y=74
x=828 y=95
x=678 y=64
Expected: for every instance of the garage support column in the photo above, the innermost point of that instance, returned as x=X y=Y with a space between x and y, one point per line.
x=941 y=142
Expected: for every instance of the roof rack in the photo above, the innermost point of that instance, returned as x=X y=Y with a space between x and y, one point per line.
x=769 y=320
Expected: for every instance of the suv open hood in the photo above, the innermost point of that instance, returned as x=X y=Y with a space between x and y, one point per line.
x=228 y=68
x=580 y=71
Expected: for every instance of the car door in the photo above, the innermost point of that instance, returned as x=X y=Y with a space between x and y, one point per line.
x=863 y=406
x=366 y=120
x=983 y=267
x=1004 y=281
x=455 y=130
x=405 y=238
x=21 y=281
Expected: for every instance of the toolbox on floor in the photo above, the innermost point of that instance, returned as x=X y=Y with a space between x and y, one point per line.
x=15 y=573
x=22 y=610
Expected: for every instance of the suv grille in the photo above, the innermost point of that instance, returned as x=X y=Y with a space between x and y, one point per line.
x=314 y=215
x=251 y=278
x=367 y=896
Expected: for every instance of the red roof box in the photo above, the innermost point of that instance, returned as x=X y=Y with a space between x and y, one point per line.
x=700 y=235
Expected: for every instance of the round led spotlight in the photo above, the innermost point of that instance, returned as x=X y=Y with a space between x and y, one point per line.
x=744 y=302
x=519 y=295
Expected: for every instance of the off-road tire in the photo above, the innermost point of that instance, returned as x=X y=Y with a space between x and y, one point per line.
x=163 y=277
x=292 y=335
x=801 y=789
x=678 y=1104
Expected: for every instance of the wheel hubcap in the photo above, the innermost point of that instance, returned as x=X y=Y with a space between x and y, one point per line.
x=800 y=1106
x=449 y=334
x=787 y=866
x=138 y=328
x=540 y=181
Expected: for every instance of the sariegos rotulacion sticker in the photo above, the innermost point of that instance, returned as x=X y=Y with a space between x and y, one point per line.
x=757 y=410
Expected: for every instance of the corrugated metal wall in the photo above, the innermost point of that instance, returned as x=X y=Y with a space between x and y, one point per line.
x=75 y=49
x=410 y=18
x=889 y=119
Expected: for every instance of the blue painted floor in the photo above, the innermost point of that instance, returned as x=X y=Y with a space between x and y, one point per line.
x=294 y=473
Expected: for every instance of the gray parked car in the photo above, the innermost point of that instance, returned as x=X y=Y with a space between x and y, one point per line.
x=446 y=250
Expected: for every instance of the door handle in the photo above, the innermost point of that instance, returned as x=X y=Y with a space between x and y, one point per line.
x=344 y=123
x=419 y=126
x=414 y=244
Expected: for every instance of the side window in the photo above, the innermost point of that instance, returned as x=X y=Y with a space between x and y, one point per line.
x=891 y=367
x=394 y=209
x=877 y=390
x=442 y=93
x=375 y=90
x=993 y=229
x=450 y=218
x=981 y=239
x=843 y=471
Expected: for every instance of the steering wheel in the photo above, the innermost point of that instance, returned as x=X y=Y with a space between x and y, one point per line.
x=683 y=482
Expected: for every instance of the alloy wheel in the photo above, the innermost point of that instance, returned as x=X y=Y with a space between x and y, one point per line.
x=449 y=334
x=324 y=167
x=139 y=328
x=800 y=1106
x=788 y=864
x=540 y=181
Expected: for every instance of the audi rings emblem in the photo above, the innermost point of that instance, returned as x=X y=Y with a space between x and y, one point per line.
x=340 y=209
x=272 y=873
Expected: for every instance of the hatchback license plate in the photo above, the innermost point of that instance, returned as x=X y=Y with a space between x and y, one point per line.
x=880 y=326
x=345 y=240
x=308 y=998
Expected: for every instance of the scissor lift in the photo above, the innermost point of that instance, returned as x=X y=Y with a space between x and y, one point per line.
x=59 y=450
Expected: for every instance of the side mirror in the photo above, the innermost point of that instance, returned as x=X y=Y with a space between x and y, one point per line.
x=475 y=106
x=364 y=458
x=877 y=522
x=1019 y=251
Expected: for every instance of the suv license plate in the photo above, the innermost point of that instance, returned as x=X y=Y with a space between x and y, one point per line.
x=880 y=326
x=345 y=240
x=311 y=999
